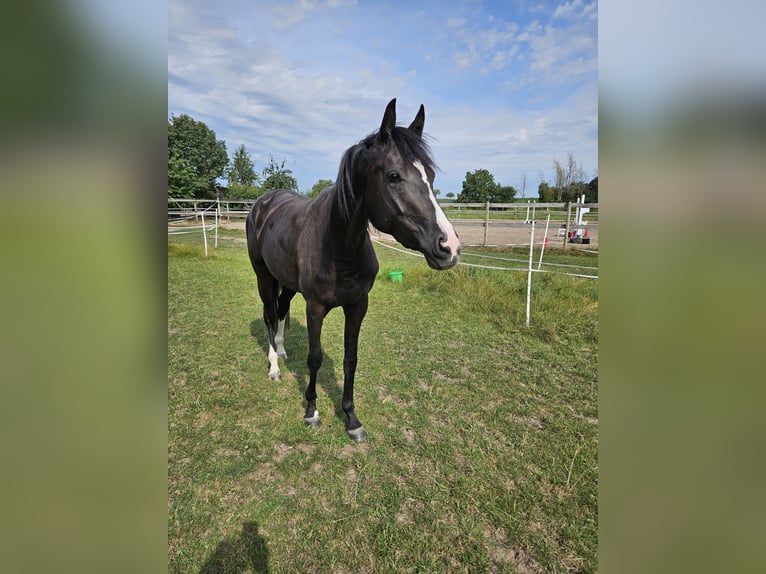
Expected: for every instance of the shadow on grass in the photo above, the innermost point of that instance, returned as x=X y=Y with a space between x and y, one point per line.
x=297 y=347
x=245 y=552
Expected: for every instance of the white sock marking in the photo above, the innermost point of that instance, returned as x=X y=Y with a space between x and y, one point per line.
x=453 y=243
x=273 y=362
x=279 y=339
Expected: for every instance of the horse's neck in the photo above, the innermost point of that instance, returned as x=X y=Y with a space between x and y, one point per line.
x=355 y=233
x=351 y=234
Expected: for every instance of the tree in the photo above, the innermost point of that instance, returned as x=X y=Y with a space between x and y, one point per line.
x=319 y=186
x=450 y=195
x=243 y=181
x=591 y=194
x=576 y=190
x=277 y=177
x=567 y=175
x=182 y=180
x=505 y=194
x=523 y=184
x=240 y=171
x=546 y=193
x=195 y=158
x=478 y=186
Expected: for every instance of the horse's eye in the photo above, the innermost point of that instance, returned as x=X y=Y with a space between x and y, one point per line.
x=394 y=177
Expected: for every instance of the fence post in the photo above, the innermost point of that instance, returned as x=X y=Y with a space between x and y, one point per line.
x=204 y=233
x=529 y=272
x=545 y=240
x=566 y=231
x=486 y=223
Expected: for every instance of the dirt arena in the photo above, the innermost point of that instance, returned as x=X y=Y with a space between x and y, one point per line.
x=500 y=233
x=509 y=234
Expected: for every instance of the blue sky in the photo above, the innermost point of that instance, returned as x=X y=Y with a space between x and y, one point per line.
x=507 y=86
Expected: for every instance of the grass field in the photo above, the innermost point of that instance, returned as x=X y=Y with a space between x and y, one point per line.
x=482 y=454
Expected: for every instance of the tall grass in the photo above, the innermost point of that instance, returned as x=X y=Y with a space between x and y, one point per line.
x=482 y=454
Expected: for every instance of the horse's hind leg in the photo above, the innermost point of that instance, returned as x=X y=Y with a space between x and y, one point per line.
x=283 y=319
x=267 y=289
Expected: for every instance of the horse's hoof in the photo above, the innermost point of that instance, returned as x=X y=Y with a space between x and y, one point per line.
x=282 y=355
x=358 y=434
x=313 y=422
x=275 y=376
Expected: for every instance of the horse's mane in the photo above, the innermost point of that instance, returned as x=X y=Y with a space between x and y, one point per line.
x=409 y=145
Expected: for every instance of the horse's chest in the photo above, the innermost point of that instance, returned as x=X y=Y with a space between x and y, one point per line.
x=345 y=288
x=354 y=285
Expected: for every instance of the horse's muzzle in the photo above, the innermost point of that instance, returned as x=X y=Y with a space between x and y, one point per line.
x=443 y=257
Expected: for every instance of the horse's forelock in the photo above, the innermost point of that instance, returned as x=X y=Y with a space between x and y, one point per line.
x=411 y=147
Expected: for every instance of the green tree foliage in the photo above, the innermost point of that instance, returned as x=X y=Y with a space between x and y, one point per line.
x=182 y=181
x=505 y=194
x=277 y=177
x=591 y=194
x=195 y=158
x=575 y=191
x=240 y=170
x=480 y=186
x=243 y=180
x=572 y=192
x=569 y=183
x=546 y=193
x=319 y=186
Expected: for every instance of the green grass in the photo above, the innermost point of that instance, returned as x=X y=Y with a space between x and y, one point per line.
x=482 y=455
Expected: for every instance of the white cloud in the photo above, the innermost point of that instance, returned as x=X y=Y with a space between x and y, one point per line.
x=264 y=84
x=560 y=55
x=576 y=10
x=287 y=15
x=483 y=46
x=509 y=142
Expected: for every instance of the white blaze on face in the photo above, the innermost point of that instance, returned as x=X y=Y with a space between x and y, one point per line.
x=452 y=243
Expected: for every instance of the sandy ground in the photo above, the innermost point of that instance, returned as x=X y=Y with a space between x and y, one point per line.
x=471 y=232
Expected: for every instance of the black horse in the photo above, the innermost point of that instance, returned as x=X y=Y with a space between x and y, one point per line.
x=321 y=247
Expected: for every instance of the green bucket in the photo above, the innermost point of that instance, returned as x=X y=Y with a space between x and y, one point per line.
x=396 y=276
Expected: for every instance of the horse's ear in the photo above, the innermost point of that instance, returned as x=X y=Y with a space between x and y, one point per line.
x=419 y=122
x=389 y=121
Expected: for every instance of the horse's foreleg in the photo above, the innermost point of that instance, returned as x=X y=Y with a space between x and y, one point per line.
x=315 y=314
x=354 y=315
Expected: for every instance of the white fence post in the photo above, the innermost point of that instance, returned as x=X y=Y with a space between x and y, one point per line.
x=204 y=232
x=529 y=272
x=545 y=238
x=217 y=220
x=486 y=223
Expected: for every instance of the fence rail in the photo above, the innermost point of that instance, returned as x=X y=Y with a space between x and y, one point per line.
x=459 y=210
x=479 y=223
